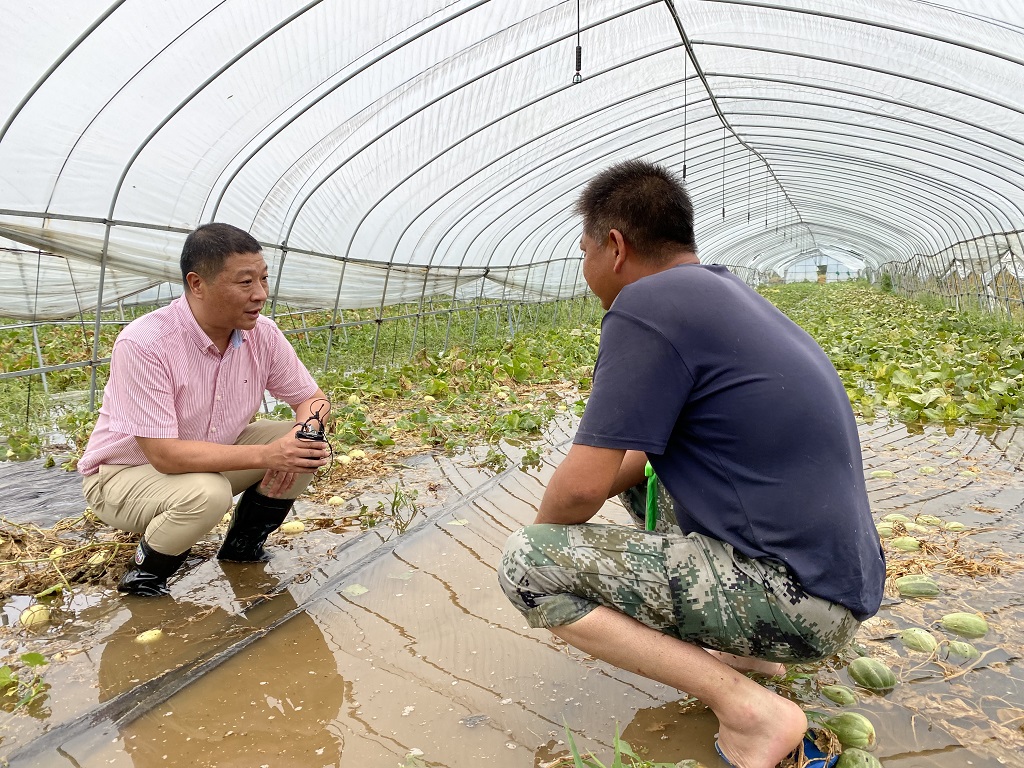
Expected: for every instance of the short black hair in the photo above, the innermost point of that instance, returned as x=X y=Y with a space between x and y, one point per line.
x=208 y=246
x=646 y=202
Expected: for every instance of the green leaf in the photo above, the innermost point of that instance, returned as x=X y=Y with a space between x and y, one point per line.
x=980 y=409
x=902 y=379
x=578 y=761
x=436 y=387
x=34 y=659
x=927 y=398
x=622 y=748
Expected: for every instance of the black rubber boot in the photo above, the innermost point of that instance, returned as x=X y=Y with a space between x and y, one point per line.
x=149 y=573
x=254 y=518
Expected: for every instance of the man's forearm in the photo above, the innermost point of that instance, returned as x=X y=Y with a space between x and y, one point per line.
x=630 y=472
x=317 y=404
x=174 y=457
x=580 y=485
x=563 y=508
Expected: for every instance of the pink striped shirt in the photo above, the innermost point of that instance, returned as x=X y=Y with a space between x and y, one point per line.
x=167 y=379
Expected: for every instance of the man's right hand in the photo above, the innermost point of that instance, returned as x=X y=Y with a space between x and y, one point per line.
x=299 y=457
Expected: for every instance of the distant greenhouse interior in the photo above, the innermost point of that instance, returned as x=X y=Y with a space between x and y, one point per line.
x=410 y=167
x=824 y=269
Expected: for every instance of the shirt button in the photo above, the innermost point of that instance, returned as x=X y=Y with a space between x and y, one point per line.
x=213 y=429
x=218 y=397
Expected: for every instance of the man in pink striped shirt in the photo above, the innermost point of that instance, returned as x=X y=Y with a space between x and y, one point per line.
x=173 y=442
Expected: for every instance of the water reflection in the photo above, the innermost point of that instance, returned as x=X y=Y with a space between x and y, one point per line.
x=678 y=730
x=669 y=733
x=257 y=709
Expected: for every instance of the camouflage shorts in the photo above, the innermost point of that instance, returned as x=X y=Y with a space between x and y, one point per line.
x=688 y=586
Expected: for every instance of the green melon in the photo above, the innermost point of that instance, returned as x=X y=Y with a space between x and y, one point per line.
x=905 y=543
x=872 y=674
x=857 y=758
x=839 y=694
x=954 y=526
x=917 y=639
x=895 y=517
x=853 y=730
x=931 y=520
x=968 y=625
x=917 y=585
x=964 y=650
x=884 y=530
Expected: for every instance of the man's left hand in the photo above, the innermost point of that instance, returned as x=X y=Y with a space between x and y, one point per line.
x=276 y=483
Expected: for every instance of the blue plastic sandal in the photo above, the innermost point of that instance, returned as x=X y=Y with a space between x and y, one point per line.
x=816 y=758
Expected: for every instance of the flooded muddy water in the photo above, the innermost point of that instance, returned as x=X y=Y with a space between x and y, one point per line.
x=371 y=649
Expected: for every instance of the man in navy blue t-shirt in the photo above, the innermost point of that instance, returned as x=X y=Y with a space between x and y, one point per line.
x=765 y=551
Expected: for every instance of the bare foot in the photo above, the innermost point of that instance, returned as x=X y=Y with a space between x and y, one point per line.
x=747 y=664
x=762 y=730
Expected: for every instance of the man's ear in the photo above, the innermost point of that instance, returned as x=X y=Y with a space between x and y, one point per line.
x=618 y=244
x=195 y=284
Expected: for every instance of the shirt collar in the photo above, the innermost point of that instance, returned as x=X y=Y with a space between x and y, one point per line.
x=195 y=332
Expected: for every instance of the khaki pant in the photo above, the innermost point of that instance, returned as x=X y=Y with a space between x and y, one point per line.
x=173 y=512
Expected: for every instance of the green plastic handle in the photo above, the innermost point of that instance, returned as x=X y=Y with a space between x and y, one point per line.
x=652 y=498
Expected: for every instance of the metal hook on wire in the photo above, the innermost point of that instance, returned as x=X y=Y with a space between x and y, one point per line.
x=578 y=78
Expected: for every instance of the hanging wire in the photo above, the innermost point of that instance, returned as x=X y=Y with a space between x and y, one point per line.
x=686 y=105
x=578 y=78
x=723 y=173
x=749 y=200
x=776 y=211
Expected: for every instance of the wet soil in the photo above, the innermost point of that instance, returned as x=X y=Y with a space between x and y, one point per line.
x=369 y=648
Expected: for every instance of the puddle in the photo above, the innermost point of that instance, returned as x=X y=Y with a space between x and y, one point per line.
x=386 y=650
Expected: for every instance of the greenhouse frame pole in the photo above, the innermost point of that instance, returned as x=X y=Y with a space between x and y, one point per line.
x=947 y=215
x=352 y=75
x=714 y=101
x=99 y=308
x=334 y=316
x=42 y=363
x=427 y=105
x=451 y=309
x=877 y=25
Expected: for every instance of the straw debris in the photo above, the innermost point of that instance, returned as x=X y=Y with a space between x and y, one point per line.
x=946 y=552
x=75 y=550
x=824 y=740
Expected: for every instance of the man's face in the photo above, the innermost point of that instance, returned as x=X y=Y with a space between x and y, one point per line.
x=236 y=294
x=598 y=269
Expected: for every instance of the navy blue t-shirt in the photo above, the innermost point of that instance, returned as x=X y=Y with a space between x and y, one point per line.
x=745 y=421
